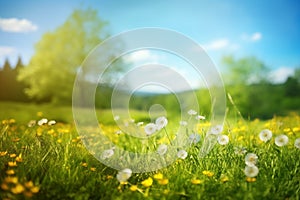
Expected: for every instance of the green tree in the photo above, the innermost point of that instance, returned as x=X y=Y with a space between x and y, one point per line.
x=58 y=55
x=244 y=71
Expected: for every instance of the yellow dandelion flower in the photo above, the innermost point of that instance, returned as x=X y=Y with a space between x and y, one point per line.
x=196 y=181
x=3 y=153
x=10 y=172
x=296 y=129
x=207 y=173
x=35 y=189
x=84 y=164
x=286 y=130
x=15 y=139
x=19 y=158
x=250 y=179
x=12 y=121
x=28 y=184
x=12 y=164
x=10 y=179
x=147 y=182
x=93 y=169
x=4 y=186
x=224 y=178
x=13 y=155
x=133 y=188
x=163 y=181
x=17 y=189
x=39 y=114
x=109 y=177
x=158 y=176
x=166 y=191
x=59 y=141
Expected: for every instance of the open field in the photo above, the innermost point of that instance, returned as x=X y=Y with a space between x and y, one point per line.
x=49 y=161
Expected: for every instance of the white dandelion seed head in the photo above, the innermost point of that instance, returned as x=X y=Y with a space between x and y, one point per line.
x=162 y=149
x=51 y=122
x=42 y=121
x=194 y=138
x=140 y=123
x=297 y=143
x=183 y=123
x=281 y=140
x=223 y=139
x=251 y=171
x=161 y=122
x=118 y=132
x=192 y=112
x=200 y=117
x=124 y=175
x=182 y=154
x=107 y=154
x=117 y=117
x=216 y=130
x=251 y=159
x=265 y=135
x=150 y=129
x=31 y=123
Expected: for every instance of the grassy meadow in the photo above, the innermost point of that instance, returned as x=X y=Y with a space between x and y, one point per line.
x=47 y=160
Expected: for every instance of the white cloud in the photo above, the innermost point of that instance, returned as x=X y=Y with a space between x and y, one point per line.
x=253 y=37
x=216 y=44
x=17 y=25
x=256 y=36
x=281 y=74
x=220 y=44
x=6 y=51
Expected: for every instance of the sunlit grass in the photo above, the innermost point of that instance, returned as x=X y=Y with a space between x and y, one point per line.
x=50 y=162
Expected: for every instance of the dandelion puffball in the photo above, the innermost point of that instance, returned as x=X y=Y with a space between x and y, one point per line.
x=265 y=135
x=281 y=140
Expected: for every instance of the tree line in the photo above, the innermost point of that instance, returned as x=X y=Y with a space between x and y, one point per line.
x=50 y=74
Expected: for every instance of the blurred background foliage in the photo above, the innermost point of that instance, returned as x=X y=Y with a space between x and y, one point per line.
x=51 y=72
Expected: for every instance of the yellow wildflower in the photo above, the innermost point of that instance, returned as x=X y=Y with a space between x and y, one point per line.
x=39 y=114
x=147 y=182
x=93 y=169
x=207 y=173
x=158 y=176
x=224 y=178
x=10 y=179
x=17 y=189
x=59 y=140
x=13 y=155
x=109 y=177
x=286 y=130
x=164 y=181
x=84 y=164
x=35 y=189
x=12 y=121
x=10 y=172
x=296 y=129
x=3 y=153
x=250 y=179
x=19 y=158
x=16 y=139
x=196 y=181
x=133 y=188
x=28 y=184
x=12 y=164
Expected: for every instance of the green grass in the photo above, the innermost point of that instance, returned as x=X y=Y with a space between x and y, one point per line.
x=60 y=167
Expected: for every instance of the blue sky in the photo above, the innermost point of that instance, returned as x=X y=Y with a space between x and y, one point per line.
x=269 y=30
